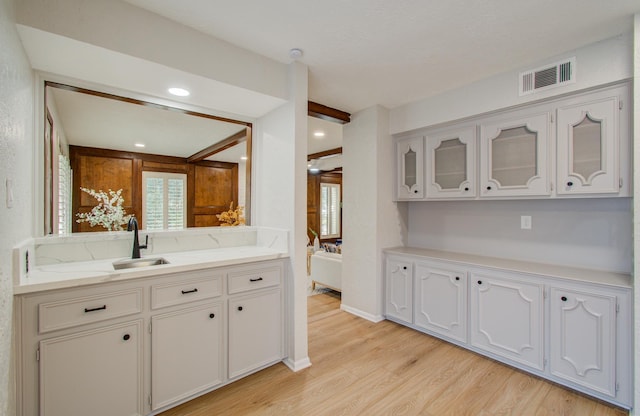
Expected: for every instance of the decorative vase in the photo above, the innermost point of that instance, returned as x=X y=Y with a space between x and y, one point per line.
x=316 y=244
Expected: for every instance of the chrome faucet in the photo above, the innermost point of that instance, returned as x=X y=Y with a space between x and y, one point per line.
x=133 y=225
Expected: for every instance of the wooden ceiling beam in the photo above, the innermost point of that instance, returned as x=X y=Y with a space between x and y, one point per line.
x=327 y=113
x=230 y=141
x=336 y=151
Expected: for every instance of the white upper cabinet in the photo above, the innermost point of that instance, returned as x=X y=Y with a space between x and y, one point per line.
x=451 y=163
x=410 y=168
x=514 y=156
x=589 y=144
x=578 y=145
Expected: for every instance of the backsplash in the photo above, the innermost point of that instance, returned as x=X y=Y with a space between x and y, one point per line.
x=118 y=244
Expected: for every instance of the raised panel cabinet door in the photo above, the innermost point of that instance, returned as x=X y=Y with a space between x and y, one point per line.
x=186 y=353
x=97 y=372
x=410 y=168
x=507 y=318
x=451 y=163
x=514 y=156
x=399 y=290
x=583 y=339
x=441 y=301
x=589 y=146
x=255 y=331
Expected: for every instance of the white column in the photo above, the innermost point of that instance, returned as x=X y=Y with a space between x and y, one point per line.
x=371 y=221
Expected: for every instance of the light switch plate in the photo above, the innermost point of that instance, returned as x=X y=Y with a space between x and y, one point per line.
x=525 y=222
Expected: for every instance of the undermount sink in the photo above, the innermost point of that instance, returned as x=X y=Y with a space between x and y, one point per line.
x=143 y=262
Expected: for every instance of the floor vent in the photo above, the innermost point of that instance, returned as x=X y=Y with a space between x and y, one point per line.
x=548 y=77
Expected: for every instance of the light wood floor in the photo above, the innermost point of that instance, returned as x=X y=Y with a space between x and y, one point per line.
x=362 y=368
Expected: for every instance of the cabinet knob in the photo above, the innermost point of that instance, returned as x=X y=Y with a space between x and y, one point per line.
x=415 y=192
x=212 y=315
x=240 y=308
x=569 y=183
x=488 y=188
x=457 y=277
x=126 y=337
x=404 y=267
x=564 y=298
x=466 y=189
x=479 y=282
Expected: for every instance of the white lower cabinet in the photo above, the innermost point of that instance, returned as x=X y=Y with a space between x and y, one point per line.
x=186 y=353
x=95 y=372
x=583 y=338
x=571 y=326
x=255 y=331
x=507 y=318
x=441 y=300
x=399 y=289
x=143 y=346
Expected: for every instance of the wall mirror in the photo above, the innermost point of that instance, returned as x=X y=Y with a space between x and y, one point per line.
x=176 y=168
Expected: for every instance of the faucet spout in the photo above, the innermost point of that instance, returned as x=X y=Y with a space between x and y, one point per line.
x=133 y=226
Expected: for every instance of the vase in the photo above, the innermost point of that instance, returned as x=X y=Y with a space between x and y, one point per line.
x=316 y=244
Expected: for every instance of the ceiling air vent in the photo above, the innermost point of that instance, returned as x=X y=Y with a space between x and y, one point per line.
x=554 y=75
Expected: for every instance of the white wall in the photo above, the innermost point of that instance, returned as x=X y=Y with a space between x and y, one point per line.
x=592 y=233
x=371 y=221
x=16 y=150
x=113 y=24
x=279 y=186
x=636 y=206
x=599 y=63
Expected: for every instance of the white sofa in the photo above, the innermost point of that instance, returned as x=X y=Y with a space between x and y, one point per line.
x=326 y=270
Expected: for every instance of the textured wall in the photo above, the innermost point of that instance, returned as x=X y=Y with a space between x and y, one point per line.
x=16 y=153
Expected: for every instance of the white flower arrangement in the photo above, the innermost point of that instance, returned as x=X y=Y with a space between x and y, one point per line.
x=108 y=213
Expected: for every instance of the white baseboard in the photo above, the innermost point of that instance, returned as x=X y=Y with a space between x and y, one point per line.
x=296 y=366
x=361 y=314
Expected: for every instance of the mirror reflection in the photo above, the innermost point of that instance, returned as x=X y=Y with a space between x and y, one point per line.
x=171 y=168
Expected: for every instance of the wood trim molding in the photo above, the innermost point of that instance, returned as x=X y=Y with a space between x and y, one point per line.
x=327 y=113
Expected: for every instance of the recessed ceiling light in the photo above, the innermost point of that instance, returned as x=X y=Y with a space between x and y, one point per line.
x=139 y=144
x=180 y=92
x=318 y=133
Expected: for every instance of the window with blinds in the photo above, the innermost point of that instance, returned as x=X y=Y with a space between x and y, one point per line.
x=64 y=195
x=164 y=197
x=329 y=210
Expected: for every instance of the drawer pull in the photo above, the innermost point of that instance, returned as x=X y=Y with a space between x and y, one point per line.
x=240 y=308
x=212 y=315
x=126 y=337
x=256 y=280
x=184 y=292
x=101 y=308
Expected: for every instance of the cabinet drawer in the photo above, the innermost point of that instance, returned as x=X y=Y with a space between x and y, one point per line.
x=184 y=291
x=250 y=279
x=67 y=313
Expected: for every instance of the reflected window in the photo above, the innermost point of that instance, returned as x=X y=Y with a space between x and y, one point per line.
x=164 y=201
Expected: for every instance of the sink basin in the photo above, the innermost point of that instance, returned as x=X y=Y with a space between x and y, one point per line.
x=144 y=262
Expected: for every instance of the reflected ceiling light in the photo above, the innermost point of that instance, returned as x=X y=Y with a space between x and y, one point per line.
x=139 y=145
x=243 y=158
x=180 y=92
x=318 y=133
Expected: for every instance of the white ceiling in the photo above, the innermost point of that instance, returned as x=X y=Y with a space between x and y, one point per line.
x=366 y=52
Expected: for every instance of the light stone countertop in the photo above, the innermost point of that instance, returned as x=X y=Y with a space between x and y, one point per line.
x=615 y=279
x=75 y=274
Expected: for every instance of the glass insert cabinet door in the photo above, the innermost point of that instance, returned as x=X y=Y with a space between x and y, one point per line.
x=410 y=162
x=588 y=143
x=514 y=156
x=451 y=167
